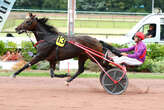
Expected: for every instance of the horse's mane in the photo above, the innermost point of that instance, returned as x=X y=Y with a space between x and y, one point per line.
x=49 y=28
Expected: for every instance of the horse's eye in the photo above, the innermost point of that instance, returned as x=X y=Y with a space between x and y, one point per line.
x=29 y=22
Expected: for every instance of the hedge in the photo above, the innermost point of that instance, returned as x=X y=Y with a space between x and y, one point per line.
x=154 y=58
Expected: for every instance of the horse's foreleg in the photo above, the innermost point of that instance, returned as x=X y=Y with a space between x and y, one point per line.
x=52 y=74
x=81 y=63
x=24 y=67
x=32 y=62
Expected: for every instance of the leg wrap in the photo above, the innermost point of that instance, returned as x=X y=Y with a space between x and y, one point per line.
x=25 y=66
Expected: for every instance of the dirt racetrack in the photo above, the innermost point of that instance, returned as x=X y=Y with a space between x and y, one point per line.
x=44 y=93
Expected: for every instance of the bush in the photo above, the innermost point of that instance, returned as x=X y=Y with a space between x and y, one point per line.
x=154 y=51
x=27 y=50
x=120 y=46
x=154 y=58
x=89 y=65
x=153 y=63
x=2 y=48
x=11 y=46
x=145 y=67
x=19 y=65
x=34 y=67
x=158 y=67
x=43 y=65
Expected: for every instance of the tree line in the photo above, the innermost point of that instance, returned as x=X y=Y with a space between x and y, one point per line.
x=92 y=5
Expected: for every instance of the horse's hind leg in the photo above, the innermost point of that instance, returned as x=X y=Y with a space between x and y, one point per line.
x=52 y=68
x=81 y=62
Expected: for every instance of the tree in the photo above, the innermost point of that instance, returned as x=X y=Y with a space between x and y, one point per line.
x=28 y=4
x=92 y=5
x=55 y=4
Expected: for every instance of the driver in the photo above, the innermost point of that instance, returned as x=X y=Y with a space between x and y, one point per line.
x=139 y=55
x=151 y=32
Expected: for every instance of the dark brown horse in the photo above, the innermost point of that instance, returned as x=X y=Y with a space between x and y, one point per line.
x=46 y=49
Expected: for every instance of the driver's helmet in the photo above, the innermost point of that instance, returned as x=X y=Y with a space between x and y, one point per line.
x=140 y=35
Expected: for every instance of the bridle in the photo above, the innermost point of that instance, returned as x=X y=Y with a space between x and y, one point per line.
x=28 y=33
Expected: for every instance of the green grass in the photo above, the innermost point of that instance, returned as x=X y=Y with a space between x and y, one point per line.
x=85 y=75
x=146 y=76
x=46 y=74
x=94 y=24
x=104 y=24
x=58 y=23
x=86 y=27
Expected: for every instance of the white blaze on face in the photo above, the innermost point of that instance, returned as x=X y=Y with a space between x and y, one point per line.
x=5 y=8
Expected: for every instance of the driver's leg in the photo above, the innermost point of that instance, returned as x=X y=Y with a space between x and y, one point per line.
x=127 y=60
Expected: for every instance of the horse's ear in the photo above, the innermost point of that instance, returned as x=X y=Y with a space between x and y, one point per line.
x=31 y=15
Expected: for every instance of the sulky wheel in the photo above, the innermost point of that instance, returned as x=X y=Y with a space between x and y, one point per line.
x=109 y=85
x=100 y=77
x=102 y=74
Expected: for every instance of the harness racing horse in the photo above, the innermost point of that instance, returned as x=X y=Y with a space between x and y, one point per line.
x=47 y=49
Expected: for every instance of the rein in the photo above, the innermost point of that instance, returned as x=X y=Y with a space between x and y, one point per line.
x=34 y=44
x=29 y=36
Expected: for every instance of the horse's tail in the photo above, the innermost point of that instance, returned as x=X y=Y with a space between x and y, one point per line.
x=111 y=48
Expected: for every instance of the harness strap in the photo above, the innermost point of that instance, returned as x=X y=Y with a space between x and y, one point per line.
x=143 y=54
x=38 y=43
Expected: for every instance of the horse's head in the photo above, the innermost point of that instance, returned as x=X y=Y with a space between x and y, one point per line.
x=28 y=25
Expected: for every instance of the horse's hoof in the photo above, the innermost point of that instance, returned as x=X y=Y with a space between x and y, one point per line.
x=66 y=83
x=13 y=76
x=68 y=75
x=52 y=76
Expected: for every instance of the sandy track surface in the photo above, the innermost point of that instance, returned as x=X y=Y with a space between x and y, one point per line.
x=43 y=93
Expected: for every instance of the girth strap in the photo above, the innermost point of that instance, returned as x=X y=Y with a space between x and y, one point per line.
x=57 y=52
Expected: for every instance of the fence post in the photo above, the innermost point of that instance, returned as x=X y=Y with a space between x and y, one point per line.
x=71 y=17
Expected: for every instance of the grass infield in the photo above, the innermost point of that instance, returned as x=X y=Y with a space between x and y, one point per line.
x=10 y=25
x=84 y=75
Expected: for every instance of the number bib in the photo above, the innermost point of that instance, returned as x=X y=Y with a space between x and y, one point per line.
x=60 y=41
